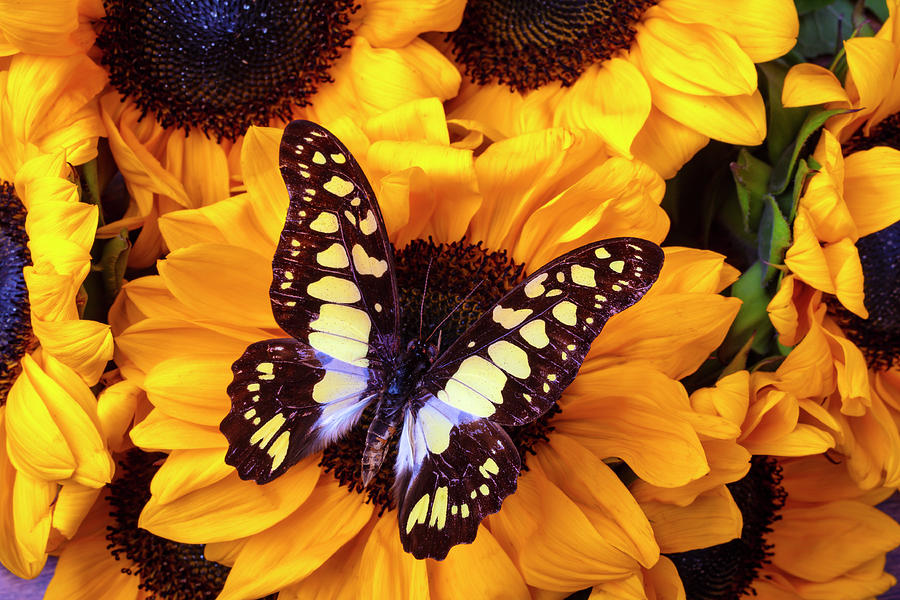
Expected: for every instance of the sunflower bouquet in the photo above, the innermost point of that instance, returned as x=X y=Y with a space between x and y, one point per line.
x=448 y=299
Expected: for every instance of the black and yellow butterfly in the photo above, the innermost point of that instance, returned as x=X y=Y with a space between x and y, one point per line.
x=334 y=291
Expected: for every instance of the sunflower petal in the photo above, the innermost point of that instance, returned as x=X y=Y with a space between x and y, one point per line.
x=386 y=571
x=870 y=176
x=694 y=58
x=219 y=511
x=871 y=67
x=192 y=391
x=72 y=505
x=185 y=471
x=87 y=571
x=159 y=431
x=808 y=84
x=665 y=144
x=713 y=518
x=85 y=346
x=395 y=23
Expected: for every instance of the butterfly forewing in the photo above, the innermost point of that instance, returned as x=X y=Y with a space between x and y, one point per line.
x=509 y=368
x=333 y=282
x=515 y=361
x=288 y=401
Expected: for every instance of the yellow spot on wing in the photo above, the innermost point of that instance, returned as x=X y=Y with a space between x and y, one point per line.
x=535 y=333
x=583 y=276
x=436 y=428
x=253 y=387
x=475 y=387
x=265 y=433
x=533 y=288
x=319 y=158
x=265 y=367
x=510 y=317
x=367 y=265
x=350 y=217
x=485 y=490
x=334 y=289
x=279 y=449
x=338 y=386
x=602 y=253
x=488 y=468
x=464 y=511
x=338 y=186
x=344 y=321
x=250 y=414
x=338 y=158
x=368 y=225
x=439 y=508
x=334 y=257
x=617 y=265
x=418 y=513
x=565 y=313
x=510 y=358
x=326 y=222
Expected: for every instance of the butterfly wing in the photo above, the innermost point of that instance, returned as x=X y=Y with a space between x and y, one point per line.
x=508 y=369
x=288 y=401
x=334 y=290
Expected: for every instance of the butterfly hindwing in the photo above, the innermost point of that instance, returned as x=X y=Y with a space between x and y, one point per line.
x=288 y=401
x=452 y=470
x=515 y=361
x=333 y=283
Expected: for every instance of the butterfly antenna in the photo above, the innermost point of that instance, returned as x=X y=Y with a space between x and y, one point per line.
x=424 y=292
x=456 y=308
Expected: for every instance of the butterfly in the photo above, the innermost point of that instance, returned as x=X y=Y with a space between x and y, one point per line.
x=334 y=291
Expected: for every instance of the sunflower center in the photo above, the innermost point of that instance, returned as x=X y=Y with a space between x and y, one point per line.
x=528 y=43
x=464 y=280
x=886 y=133
x=727 y=571
x=222 y=65
x=15 y=315
x=879 y=335
x=168 y=570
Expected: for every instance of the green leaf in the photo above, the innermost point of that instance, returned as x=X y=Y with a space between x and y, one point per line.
x=822 y=30
x=784 y=168
x=751 y=177
x=89 y=184
x=113 y=263
x=879 y=7
x=739 y=362
x=774 y=237
x=752 y=321
x=784 y=123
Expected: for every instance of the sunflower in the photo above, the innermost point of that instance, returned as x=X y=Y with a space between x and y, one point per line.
x=187 y=81
x=179 y=332
x=53 y=456
x=840 y=297
x=654 y=80
x=762 y=531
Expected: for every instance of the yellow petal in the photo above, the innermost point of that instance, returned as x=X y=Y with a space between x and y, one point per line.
x=481 y=568
x=72 y=505
x=450 y=173
x=846 y=269
x=219 y=511
x=728 y=398
x=674 y=332
x=86 y=571
x=600 y=495
x=191 y=390
x=611 y=99
x=804 y=440
x=623 y=197
x=159 y=431
x=551 y=539
x=689 y=270
x=508 y=174
x=764 y=30
x=116 y=407
x=694 y=59
x=630 y=588
x=871 y=64
x=369 y=81
x=224 y=283
x=416 y=121
x=19 y=559
x=395 y=23
x=259 y=163
x=808 y=369
x=783 y=312
x=54 y=436
x=185 y=471
x=32 y=501
x=642 y=413
x=713 y=518
x=851 y=373
x=733 y=119
x=40 y=27
x=407 y=200
x=665 y=144
x=870 y=176
x=856 y=533
x=805 y=256
x=385 y=570
x=493 y=105
x=663 y=582
x=272 y=560
x=85 y=346
x=808 y=84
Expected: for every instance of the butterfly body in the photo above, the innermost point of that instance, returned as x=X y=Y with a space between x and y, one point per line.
x=334 y=292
